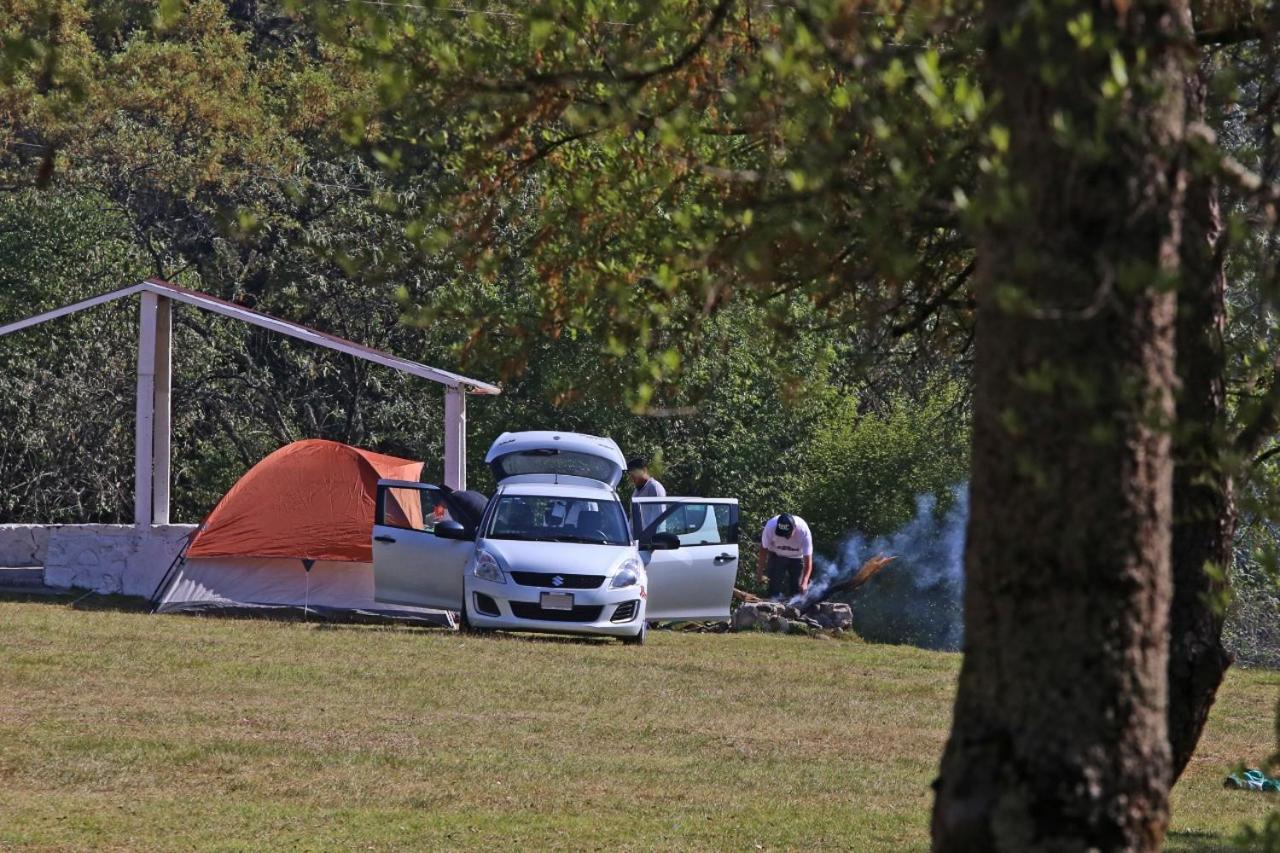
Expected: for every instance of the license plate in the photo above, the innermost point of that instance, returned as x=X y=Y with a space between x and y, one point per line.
x=557 y=601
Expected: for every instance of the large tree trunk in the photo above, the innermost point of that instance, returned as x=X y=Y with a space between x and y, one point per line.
x=1059 y=739
x=1203 y=500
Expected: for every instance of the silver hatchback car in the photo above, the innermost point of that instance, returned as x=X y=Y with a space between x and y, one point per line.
x=554 y=550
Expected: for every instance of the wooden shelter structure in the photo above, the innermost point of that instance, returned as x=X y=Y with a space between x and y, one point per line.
x=153 y=428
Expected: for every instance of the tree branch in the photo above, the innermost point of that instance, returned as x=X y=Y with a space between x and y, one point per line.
x=539 y=80
x=1265 y=421
x=1219 y=27
x=1234 y=173
x=933 y=303
x=1265 y=455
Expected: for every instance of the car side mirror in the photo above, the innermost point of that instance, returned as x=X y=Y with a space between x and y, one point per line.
x=452 y=530
x=663 y=542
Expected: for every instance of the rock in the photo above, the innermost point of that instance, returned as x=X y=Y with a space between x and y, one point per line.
x=755 y=614
x=781 y=618
x=745 y=617
x=841 y=615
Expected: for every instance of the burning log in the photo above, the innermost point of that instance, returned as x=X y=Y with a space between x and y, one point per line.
x=869 y=569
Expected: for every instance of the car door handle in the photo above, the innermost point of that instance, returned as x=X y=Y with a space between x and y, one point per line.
x=384 y=539
x=724 y=558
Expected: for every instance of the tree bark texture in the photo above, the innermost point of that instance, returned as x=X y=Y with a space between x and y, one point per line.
x=1059 y=737
x=1203 y=493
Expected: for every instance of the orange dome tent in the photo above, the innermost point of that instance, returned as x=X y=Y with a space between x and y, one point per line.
x=312 y=499
x=294 y=531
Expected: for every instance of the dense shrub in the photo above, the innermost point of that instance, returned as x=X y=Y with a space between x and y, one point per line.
x=867 y=467
x=1252 y=630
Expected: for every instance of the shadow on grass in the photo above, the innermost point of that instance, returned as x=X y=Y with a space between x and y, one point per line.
x=79 y=599
x=1198 y=841
x=555 y=639
x=83 y=599
x=487 y=636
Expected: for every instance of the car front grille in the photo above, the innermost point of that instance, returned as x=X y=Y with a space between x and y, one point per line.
x=625 y=612
x=547 y=579
x=580 y=613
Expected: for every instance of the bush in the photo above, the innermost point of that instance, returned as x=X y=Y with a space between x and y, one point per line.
x=1252 y=629
x=866 y=470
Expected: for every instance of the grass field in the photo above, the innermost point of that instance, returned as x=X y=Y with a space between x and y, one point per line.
x=124 y=730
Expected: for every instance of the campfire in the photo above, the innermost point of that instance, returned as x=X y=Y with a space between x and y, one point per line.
x=810 y=609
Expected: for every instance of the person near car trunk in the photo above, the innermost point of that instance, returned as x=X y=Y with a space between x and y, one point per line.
x=646 y=487
x=786 y=555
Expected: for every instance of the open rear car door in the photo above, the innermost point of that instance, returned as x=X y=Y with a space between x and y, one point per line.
x=412 y=564
x=695 y=579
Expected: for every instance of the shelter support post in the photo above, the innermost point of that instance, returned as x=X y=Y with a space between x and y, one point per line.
x=144 y=421
x=455 y=437
x=153 y=427
x=160 y=476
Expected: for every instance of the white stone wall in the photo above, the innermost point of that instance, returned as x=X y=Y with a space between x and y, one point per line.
x=23 y=544
x=107 y=558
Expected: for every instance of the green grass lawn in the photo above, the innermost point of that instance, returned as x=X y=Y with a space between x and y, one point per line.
x=125 y=730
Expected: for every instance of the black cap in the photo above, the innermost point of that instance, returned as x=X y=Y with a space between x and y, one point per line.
x=637 y=463
x=786 y=526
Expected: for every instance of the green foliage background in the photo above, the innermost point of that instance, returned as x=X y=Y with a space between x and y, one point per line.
x=230 y=149
x=751 y=266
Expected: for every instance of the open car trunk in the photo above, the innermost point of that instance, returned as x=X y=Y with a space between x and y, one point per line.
x=546 y=452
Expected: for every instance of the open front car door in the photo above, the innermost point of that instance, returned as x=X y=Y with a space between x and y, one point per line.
x=420 y=549
x=690 y=550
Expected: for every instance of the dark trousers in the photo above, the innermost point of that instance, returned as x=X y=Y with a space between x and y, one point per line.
x=784 y=575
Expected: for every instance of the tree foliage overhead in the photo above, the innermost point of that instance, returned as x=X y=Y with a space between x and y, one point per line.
x=211 y=143
x=648 y=165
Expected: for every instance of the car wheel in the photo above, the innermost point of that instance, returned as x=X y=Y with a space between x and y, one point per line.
x=464 y=623
x=640 y=637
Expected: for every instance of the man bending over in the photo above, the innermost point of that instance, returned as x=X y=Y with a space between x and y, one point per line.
x=786 y=555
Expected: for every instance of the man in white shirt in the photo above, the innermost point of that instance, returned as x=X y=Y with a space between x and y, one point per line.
x=646 y=487
x=786 y=555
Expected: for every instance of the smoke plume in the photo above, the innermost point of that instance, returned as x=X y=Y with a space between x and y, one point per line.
x=917 y=598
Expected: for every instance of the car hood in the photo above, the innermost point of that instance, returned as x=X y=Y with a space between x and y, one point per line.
x=569 y=557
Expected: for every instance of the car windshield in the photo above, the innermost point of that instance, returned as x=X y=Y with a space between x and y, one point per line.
x=537 y=518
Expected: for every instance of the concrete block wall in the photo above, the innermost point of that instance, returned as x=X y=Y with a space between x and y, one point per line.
x=106 y=558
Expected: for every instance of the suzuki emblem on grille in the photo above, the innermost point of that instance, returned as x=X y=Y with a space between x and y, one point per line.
x=557 y=581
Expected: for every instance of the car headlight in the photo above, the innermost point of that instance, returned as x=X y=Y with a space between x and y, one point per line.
x=628 y=574
x=487 y=568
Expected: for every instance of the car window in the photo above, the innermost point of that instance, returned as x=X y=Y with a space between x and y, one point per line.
x=551 y=461
x=693 y=523
x=558 y=519
x=412 y=509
